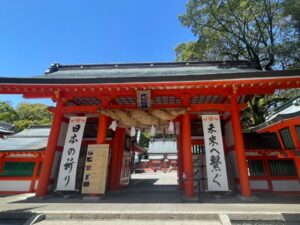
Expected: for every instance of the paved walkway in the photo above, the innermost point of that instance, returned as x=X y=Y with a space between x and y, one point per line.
x=131 y=222
x=147 y=205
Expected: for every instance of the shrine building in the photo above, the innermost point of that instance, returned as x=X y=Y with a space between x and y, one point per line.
x=99 y=106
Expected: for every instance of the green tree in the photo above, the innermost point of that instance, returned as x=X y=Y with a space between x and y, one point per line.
x=292 y=8
x=32 y=114
x=264 y=32
x=7 y=112
x=261 y=106
x=252 y=30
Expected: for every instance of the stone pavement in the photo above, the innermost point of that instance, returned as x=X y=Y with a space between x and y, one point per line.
x=162 y=204
x=60 y=212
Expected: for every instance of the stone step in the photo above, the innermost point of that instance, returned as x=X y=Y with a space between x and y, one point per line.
x=131 y=222
x=138 y=215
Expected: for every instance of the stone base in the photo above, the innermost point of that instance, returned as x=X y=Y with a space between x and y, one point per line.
x=248 y=199
x=91 y=198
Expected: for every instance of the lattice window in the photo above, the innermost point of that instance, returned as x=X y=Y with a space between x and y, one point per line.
x=125 y=100
x=17 y=169
x=198 y=149
x=256 y=168
x=298 y=132
x=166 y=100
x=287 y=138
x=86 y=101
x=282 y=168
x=207 y=99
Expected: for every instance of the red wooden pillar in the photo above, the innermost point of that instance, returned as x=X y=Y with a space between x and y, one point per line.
x=187 y=155
x=35 y=172
x=42 y=188
x=239 y=148
x=116 y=159
x=280 y=140
x=179 y=159
x=2 y=159
x=102 y=129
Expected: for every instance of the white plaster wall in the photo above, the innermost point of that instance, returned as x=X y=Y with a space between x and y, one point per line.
x=286 y=185
x=62 y=134
x=233 y=162
x=15 y=185
x=259 y=184
x=21 y=156
x=229 y=141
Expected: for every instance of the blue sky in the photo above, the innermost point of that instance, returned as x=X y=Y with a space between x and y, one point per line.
x=36 y=33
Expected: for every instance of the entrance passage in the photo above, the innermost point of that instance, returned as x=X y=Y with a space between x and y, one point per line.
x=154 y=181
x=152 y=187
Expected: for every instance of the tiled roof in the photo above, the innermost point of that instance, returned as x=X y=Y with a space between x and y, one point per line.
x=131 y=70
x=31 y=139
x=162 y=147
x=6 y=128
x=148 y=72
x=288 y=110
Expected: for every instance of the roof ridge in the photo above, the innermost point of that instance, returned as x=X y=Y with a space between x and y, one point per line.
x=57 y=66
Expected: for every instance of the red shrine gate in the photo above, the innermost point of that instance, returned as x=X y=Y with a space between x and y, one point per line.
x=221 y=88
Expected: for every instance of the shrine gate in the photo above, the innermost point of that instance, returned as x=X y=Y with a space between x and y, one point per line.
x=186 y=90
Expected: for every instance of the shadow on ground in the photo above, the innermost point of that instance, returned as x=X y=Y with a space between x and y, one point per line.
x=162 y=188
x=16 y=216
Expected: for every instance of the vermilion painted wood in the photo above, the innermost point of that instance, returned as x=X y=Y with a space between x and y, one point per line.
x=102 y=129
x=294 y=135
x=187 y=155
x=250 y=86
x=114 y=159
x=117 y=159
x=297 y=163
x=35 y=173
x=240 y=150
x=42 y=188
x=179 y=160
x=281 y=124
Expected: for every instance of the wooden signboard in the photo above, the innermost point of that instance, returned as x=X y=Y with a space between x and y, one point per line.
x=95 y=170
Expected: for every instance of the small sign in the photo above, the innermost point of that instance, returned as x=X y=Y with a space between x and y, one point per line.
x=95 y=170
x=214 y=152
x=144 y=99
x=68 y=166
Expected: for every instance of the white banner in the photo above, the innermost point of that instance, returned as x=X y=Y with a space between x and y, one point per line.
x=68 y=166
x=214 y=152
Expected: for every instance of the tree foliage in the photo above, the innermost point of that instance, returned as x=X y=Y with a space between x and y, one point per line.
x=263 y=32
x=261 y=106
x=7 y=113
x=25 y=115
x=292 y=8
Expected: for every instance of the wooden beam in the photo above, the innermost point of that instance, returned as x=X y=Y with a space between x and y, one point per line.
x=191 y=108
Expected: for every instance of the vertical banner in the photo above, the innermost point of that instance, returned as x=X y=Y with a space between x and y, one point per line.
x=214 y=152
x=68 y=166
